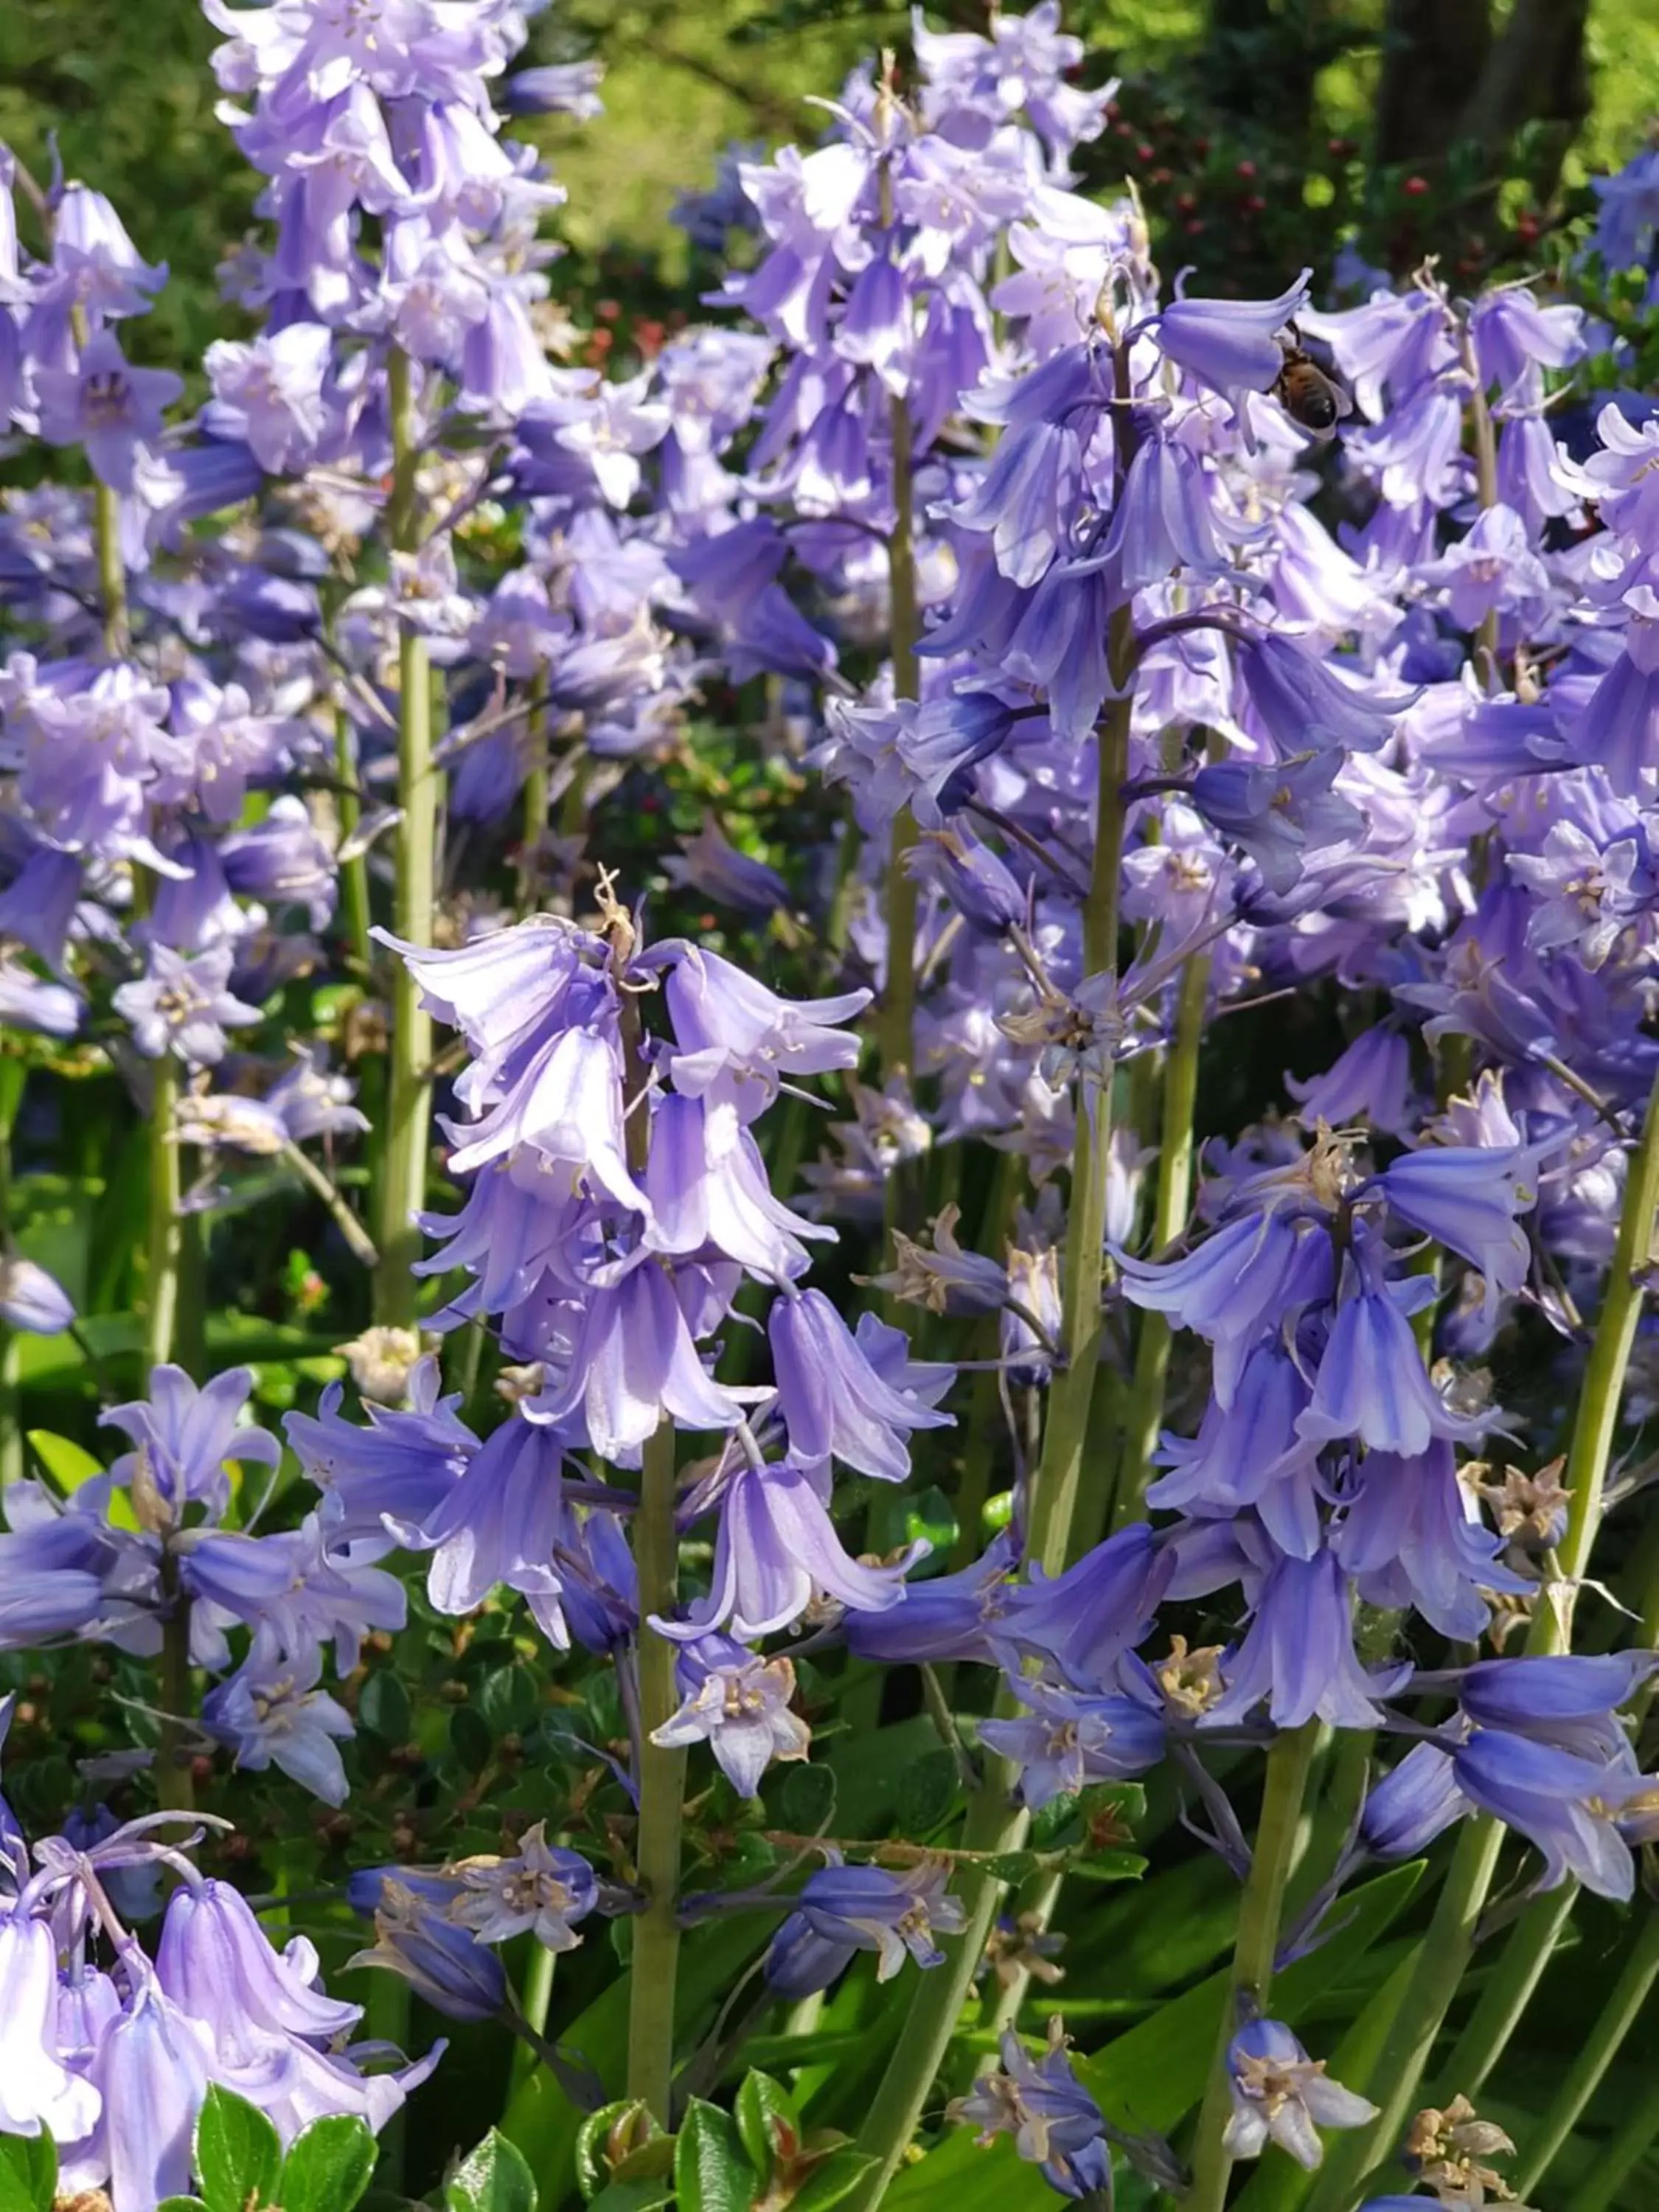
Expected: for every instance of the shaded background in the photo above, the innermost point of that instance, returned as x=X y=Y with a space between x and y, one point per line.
x=1259 y=132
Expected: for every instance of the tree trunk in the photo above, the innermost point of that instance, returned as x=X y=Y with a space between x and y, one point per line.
x=1433 y=51
x=1537 y=72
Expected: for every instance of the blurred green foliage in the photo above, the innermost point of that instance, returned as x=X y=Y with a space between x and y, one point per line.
x=129 y=93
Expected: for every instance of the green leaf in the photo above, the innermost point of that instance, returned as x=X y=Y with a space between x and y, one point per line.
x=643 y=2196
x=930 y=1516
x=759 y=2107
x=509 y=1701
x=927 y=1793
x=470 y=1738
x=837 y=2177
x=181 y=2204
x=68 y=1463
x=28 y=2172
x=495 y=2178
x=328 y=2165
x=383 y=1710
x=711 y=2173
x=608 y=2137
x=238 y=2154
x=806 y=1797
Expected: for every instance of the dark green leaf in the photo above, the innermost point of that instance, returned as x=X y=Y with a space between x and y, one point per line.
x=711 y=2173
x=181 y=2204
x=1051 y=1822
x=470 y=1738
x=1108 y=1866
x=495 y=2178
x=602 y=2133
x=328 y=2165
x=383 y=1710
x=837 y=2177
x=760 y=2105
x=927 y=1793
x=1011 y=1866
x=28 y=2172
x=238 y=2154
x=807 y=1798
x=509 y=1700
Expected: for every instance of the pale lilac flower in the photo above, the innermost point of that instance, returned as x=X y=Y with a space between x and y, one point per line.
x=738 y=1704
x=1281 y=2095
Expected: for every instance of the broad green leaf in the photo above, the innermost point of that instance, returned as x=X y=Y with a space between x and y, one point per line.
x=495 y=2178
x=238 y=2154
x=761 y=2107
x=608 y=2137
x=68 y=1463
x=642 y=2196
x=180 y=2204
x=836 y=2177
x=28 y=2172
x=930 y=1788
x=328 y=2165
x=711 y=2173
x=805 y=1798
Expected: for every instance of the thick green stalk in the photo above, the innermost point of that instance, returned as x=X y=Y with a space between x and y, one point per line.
x=1445 y=1951
x=533 y=2001
x=1144 y=1418
x=112 y=571
x=1260 y=1913
x=1506 y=1995
x=1631 y=2144
x=353 y=874
x=1619 y=2015
x=165 y=1239
x=402 y=1191
x=994 y=1823
x=533 y=823
x=1054 y=1491
x=655 y=1960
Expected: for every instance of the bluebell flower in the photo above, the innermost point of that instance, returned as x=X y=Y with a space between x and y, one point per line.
x=1231 y=345
x=501 y=1522
x=1085 y=1618
x=1567 y=1805
x=1410 y=1534
x=1372 y=1385
x=183 y=1005
x=541 y=1891
x=833 y=1402
x=442 y=1962
x=217 y=1964
x=184 y=1438
x=36 y=2089
x=1468 y=1197
x=944 y=1617
x=841 y=1911
x=271 y=1713
x=1281 y=2095
x=1415 y=1800
x=1278 y=814
x=152 y=2069
x=386 y=1479
x=776 y=1551
x=1569 y=1701
x=31 y=1299
x=1227 y=1287
x=739 y=1704
x=1299 y=1653
x=1072 y=1739
x=1055 y=2122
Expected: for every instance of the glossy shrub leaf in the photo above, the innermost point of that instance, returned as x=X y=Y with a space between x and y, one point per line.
x=328 y=2166
x=766 y=2121
x=495 y=2178
x=711 y=2173
x=238 y=2154
x=638 y=2195
x=929 y=1790
x=807 y=1798
x=831 y=2179
x=608 y=2137
x=28 y=2172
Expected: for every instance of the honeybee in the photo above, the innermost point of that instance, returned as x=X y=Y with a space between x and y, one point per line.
x=1309 y=394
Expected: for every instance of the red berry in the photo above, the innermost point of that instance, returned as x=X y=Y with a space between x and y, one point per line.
x=607 y=310
x=1185 y=203
x=1414 y=187
x=1200 y=147
x=1144 y=152
x=1246 y=169
x=1255 y=204
x=1195 y=227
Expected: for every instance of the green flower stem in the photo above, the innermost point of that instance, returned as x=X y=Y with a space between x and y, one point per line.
x=1053 y=1499
x=1260 y=1913
x=353 y=874
x=1606 y=2177
x=112 y=571
x=11 y=1397
x=656 y=1950
x=1506 y=1995
x=175 y=1787
x=1445 y=1951
x=1144 y=1418
x=533 y=2001
x=994 y=1823
x=537 y=799
x=402 y=1190
x=165 y=1236
x=1619 y=2015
